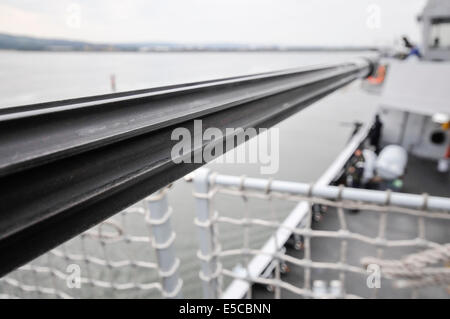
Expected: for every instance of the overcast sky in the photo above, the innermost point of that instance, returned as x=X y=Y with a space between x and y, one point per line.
x=283 y=22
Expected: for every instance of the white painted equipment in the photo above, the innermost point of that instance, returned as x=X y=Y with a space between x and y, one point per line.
x=443 y=165
x=392 y=162
x=319 y=289
x=416 y=95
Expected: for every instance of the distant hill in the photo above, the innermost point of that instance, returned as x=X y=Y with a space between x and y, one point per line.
x=13 y=42
x=26 y=43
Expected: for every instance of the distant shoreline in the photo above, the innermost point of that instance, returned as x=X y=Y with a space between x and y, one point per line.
x=199 y=51
x=32 y=44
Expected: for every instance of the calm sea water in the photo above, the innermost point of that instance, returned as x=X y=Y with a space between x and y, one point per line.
x=309 y=141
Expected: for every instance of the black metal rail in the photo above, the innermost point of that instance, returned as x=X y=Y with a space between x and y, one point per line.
x=66 y=166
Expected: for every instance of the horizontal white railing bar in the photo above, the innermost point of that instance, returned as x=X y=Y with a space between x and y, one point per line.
x=335 y=192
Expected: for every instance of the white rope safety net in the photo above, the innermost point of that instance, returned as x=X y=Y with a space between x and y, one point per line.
x=132 y=254
x=419 y=262
x=117 y=258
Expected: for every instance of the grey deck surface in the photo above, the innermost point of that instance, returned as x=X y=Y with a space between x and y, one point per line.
x=421 y=177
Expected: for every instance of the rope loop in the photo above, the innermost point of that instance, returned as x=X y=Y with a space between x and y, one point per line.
x=340 y=190
x=268 y=186
x=387 y=202
x=310 y=189
x=425 y=201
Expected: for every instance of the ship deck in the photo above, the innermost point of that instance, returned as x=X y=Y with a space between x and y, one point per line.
x=421 y=177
